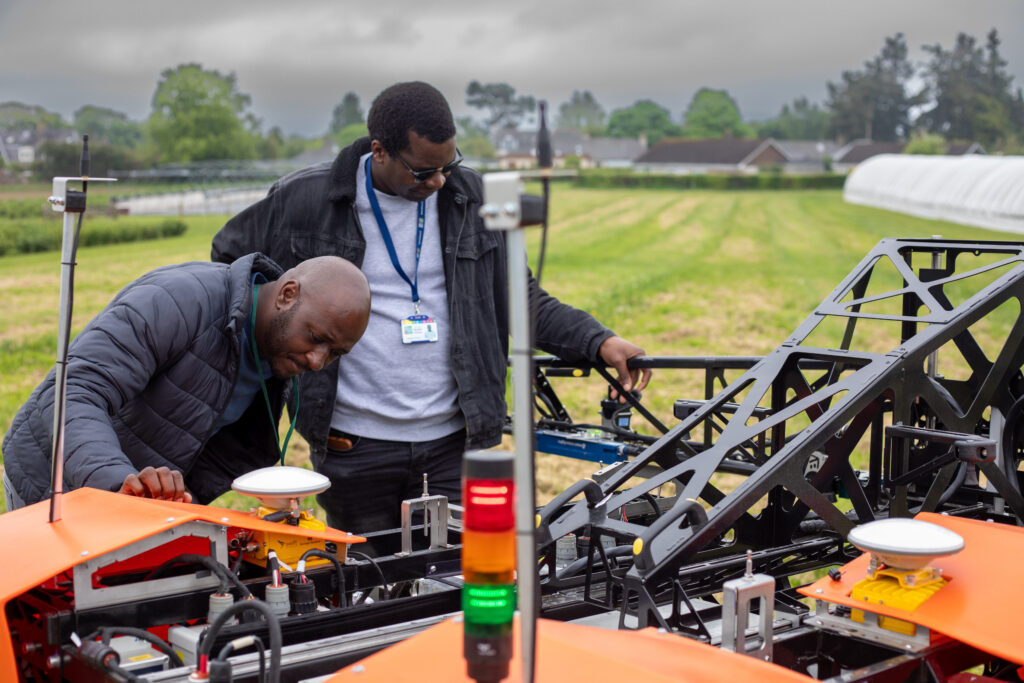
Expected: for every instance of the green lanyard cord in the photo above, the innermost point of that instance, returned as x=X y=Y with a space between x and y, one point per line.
x=263 y=384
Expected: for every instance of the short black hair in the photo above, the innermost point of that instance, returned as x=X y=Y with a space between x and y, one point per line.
x=415 y=106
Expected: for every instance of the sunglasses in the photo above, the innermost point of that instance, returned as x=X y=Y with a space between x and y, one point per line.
x=424 y=174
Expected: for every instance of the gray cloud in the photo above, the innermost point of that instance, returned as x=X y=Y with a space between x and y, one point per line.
x=296 y=59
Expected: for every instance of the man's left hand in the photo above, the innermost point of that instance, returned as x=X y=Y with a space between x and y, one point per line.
x=615 y=351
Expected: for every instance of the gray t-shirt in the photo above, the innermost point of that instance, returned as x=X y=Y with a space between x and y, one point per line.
x=387 y=389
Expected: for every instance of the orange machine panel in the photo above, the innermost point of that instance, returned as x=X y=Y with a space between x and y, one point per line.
x=95 y=522
x=982 y=603
x=569 y=652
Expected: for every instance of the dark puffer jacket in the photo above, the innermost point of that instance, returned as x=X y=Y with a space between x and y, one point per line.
x=312 y=213
x=147 y=380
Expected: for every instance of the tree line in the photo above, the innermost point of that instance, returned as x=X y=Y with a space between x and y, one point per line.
x=198 y=114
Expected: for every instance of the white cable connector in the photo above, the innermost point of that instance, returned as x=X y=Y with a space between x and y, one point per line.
x=242 y=643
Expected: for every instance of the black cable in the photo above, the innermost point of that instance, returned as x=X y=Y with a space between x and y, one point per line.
x=813 y=526
x=229 y=648
x=654 y=503
x=316 y=552
x=273 y=626
x=225 y=583
x=545 y=423
x=227 y=578
x=277 y=516
x=100 y=656
x=274 y=565
x=383 y=581
x=576 y=565
x=237 y=566
x=958 y=481
x=263 y=660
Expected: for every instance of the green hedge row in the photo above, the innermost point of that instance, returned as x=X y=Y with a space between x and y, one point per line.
x=28 y=236
x=661 y=181
x=24 y=208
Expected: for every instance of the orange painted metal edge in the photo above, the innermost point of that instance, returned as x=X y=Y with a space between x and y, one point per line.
x=982 y=603
x=95 y=522
x=247 y=521
x=569 y=652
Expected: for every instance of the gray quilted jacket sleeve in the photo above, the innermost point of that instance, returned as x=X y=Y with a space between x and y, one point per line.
x=114 y=358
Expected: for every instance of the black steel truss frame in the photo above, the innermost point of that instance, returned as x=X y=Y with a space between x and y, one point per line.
x=823 y=402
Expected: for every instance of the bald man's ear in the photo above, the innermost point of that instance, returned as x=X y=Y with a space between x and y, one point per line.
x=287 y=295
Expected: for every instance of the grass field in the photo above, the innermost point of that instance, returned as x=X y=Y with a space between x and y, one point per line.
x=680 y=273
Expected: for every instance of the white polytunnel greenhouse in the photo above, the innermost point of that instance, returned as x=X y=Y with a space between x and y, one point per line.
x=986 y=191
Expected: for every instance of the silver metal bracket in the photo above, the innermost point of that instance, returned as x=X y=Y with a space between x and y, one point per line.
x=435 y=520
x=502 y=209
x=58 y=199
x=87 y=596
x=737 y=594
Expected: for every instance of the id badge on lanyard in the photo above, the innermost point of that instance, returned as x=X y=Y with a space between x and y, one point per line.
x=417 y=328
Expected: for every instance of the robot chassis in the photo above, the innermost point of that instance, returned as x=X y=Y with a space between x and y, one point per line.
x=766 y=480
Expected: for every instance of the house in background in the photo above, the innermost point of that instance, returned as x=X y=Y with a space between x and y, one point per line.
x=18 y=147
x=612 y=152
x=808 y=156
x=725 y=155
x=22 y=146
x=8 y=152
x=855 y=152
x=517 y=149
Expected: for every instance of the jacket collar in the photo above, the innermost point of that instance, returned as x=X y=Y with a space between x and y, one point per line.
x=240 y=279
x=346 y=165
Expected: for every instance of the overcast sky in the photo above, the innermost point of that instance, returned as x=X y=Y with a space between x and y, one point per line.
x=297 y=58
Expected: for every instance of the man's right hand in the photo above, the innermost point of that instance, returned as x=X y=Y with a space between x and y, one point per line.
x=161 y=483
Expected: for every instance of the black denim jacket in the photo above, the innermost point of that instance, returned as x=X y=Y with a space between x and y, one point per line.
x=311 y=213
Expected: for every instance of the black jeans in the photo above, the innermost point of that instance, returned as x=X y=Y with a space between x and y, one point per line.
x=370 y=480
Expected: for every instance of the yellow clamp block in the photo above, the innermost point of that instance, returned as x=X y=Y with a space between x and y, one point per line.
x=889 y=590
x=289 y=546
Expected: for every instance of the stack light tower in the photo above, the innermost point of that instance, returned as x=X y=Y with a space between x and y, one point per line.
x=488 y=563
x=502 y=483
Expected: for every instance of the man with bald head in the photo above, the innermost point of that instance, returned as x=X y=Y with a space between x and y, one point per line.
x=176 y=387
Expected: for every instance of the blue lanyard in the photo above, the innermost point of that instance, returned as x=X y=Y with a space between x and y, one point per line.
x=421 y=221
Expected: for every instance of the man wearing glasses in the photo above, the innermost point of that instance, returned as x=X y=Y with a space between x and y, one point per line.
x=427 y=381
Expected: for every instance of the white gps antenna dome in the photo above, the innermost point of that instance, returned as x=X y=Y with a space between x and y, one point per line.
x=907 y=544
x=277 y=487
